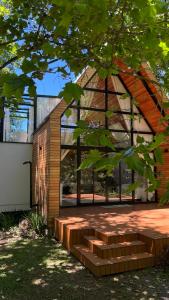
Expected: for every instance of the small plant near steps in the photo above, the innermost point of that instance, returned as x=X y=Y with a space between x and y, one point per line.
x=106 y=253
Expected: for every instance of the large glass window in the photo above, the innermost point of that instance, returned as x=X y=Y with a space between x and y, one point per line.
x=19 y=122
x=68 y=187
x=104 y=105
x=44 y=106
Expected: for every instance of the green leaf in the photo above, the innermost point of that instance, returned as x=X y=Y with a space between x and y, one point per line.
x=158 y=153
x=68 y=113
x=48 y=48
x=77 y=132
x=71 y=91
x=133 y=186
x=134 y=162
x=93 y=157
x=28 y=66
x=109 y=113
x=32 y=90
x=164 y=48
x=158 y=140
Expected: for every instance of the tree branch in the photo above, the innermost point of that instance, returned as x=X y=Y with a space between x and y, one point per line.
x=8 y=62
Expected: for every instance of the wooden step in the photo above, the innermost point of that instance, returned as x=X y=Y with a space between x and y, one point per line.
x=99 y=266
x=103 y=250
x=113 y=237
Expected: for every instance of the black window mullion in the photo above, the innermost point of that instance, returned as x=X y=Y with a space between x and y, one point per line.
x=106 y=127
x=35 y=113
x=2 y=122
x=120 y=181
x=78 y=151
x=132 y=144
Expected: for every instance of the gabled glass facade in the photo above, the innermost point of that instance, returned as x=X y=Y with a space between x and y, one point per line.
x=125 y=124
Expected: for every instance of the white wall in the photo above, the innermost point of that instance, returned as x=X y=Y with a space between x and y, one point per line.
x=14 y=176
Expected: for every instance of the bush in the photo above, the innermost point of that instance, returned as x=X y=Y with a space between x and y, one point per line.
x=164 y=259
x=6 y=221
x=37 y=223
x=11 y=219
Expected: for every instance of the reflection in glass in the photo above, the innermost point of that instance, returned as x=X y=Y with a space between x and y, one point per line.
x=96 y=83
x=99 y=187
x=119 y=103
x=124 y=127
x=18 y=124
x=126 y=180
x=139 y=124
x=119 y=122
x=68 y=186
x=93 y=99
x=147 y=137
x=44 y=106
x=115 y=85
x=86 y=183
x=121 y=139
x=113 y=184
x=94 y=119
x=69 y=119
x=67 y=136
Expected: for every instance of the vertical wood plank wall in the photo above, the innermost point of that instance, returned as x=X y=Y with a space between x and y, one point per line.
x=46 y=166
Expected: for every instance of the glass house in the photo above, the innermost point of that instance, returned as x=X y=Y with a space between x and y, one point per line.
x=125 y=123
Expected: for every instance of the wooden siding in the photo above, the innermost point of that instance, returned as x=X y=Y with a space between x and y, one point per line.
x=46 y=166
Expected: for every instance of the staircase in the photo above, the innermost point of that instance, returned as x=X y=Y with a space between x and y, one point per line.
x=105 y=253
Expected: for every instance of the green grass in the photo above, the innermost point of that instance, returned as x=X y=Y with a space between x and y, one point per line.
x=41 y=269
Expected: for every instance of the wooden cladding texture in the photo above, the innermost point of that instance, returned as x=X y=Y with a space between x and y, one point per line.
x=46 y=166
x=143 y=97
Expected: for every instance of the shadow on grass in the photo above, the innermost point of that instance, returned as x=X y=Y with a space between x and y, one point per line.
x=41 y=269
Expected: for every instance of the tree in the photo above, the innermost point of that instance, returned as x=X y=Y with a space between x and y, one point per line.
x=34 y=34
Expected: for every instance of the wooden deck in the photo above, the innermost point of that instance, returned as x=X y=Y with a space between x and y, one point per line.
x=114 y=239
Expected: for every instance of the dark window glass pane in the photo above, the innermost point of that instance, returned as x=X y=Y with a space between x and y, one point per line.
x=93 y=99
x=69 y=118
x=99 y=187
x=113 y=184
x=67 y=137
x=115 y=85
x=139 y=124
x=18 y=124
x=44 y=106
x=141 y=193
x=96 y=83
x=126 y=180
x=121 y=139
x=94 y=119
x=119 y=122
x=147 y=137
x=86 y=183
x=118 y=103
x=68 y=188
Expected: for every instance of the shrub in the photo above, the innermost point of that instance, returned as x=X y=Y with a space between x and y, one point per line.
x=37 y=223
x=11 y=219
x=164 y=259
x=6 y=221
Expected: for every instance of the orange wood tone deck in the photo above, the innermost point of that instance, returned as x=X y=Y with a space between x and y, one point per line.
x=110 y=240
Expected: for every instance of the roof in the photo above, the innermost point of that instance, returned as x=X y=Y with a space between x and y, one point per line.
x=143 y=87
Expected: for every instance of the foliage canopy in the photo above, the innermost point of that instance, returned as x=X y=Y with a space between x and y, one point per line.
x=35 y=34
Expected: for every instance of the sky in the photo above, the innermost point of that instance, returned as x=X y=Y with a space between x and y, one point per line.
x=52 y=84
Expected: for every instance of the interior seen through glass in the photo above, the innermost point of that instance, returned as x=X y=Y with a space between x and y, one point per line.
x=124 y=122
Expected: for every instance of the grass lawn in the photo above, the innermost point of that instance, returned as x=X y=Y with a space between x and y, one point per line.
x=42 y=269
